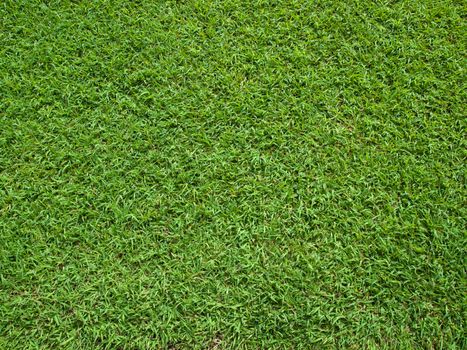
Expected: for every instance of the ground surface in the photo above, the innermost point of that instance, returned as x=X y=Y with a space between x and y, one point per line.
x=232 y=174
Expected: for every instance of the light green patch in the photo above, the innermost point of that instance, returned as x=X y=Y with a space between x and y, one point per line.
x=232 y=174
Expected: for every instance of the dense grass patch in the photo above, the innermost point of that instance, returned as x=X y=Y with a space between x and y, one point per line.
x=232 y=174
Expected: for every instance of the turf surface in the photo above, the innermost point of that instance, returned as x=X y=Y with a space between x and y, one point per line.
x=232 y=174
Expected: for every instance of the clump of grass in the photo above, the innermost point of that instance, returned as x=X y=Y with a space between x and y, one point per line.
x=230 y=174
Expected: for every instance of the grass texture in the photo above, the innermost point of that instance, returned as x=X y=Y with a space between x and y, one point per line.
x=232 y=174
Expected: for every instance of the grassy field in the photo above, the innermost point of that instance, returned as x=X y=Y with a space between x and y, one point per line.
x=233 y=174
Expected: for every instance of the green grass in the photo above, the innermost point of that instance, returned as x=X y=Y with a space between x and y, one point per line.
x=233 y=174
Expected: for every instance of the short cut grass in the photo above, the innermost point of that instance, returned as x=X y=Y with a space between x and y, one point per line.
x=197 y=174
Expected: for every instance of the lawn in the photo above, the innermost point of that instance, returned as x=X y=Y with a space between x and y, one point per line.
x=233 y=174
